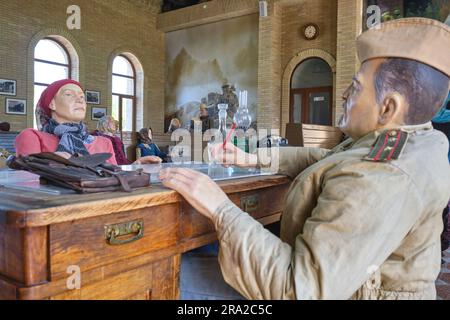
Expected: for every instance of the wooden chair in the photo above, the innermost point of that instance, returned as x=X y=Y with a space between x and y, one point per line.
x=163 y=141
x=7 y=141
x=7 y=144
x=313 y=136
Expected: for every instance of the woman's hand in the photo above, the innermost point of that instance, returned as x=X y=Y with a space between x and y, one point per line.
x=232 y=155
x=148 y=160
x=198 y=189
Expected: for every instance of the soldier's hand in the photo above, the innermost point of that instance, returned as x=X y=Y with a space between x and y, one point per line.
x=232 y=155
x=202 y=193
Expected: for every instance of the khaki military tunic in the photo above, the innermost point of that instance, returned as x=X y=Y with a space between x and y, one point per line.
x=352 y=227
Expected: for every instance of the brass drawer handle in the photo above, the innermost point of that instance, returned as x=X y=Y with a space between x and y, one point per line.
x=123 y=233
x=250 y=203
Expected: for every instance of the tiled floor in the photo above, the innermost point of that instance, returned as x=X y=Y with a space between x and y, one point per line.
x=443 y=282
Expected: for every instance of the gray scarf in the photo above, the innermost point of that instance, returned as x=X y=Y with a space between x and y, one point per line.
x=72 y=136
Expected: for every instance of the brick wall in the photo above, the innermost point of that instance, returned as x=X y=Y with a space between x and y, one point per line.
x=280 y=41
x=269 y=69
x=295 y=48
x=133 y=26
x=108 y=28
x=294 y=17
x=349 y=26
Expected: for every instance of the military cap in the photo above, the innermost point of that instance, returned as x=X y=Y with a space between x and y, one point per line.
x=420 y=39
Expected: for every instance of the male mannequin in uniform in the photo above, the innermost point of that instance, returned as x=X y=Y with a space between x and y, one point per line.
x=362 y=221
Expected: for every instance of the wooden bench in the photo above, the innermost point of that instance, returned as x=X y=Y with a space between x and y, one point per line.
x=7 y=141
x=313 y=136
x=163 y=141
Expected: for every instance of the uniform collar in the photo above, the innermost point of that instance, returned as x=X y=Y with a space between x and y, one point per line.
x=419 y=127
x=369 y=139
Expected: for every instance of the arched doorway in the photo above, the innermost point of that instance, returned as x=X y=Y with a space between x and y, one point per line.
x=311 y=93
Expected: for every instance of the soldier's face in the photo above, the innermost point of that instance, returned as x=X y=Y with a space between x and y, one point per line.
x=361 y=111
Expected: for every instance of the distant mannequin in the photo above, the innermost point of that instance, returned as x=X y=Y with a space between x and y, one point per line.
x=106 y=127
x=146 y=147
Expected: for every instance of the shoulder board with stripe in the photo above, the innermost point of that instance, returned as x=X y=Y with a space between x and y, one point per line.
x=389 y=146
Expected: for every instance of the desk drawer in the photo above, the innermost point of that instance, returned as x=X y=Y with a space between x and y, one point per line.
x=258 y=203
x=157 y=281
x=99 y=241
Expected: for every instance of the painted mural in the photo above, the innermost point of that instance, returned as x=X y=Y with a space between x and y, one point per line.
x=211 y=64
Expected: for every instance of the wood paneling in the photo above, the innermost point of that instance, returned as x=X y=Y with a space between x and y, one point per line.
x=82 y=243
x=7 y=291
x=66 y=232
x=57 y=287
x=313 y=136
x=122 y=286
x=166 y=279
x=23 y=254
x=34 y=209
x=270 y=202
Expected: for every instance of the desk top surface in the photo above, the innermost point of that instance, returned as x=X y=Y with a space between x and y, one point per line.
x=24 y=202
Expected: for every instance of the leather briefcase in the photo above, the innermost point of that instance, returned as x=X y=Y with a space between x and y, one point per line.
x=87 y=174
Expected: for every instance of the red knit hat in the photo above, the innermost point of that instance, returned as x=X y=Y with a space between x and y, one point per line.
x=50 y=92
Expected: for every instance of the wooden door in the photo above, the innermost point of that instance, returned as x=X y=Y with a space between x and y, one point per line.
x=312 y=106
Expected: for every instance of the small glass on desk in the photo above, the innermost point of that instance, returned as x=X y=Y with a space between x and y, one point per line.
x=211 y=146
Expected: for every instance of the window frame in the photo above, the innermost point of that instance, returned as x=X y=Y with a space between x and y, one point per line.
x=68 y=65
x=36 y=123
x=125 y=96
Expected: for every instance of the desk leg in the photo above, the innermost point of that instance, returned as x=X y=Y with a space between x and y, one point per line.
x=166 y=279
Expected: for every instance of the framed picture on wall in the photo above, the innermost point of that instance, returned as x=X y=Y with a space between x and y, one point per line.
x=16 y=106
x=92 y=97
x=8 y=87
x=98 y=113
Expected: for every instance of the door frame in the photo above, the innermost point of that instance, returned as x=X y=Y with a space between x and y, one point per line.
x=305 y=92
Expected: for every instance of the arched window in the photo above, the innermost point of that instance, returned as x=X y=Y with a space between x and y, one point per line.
x=312 y=93
x=51 y=63
x=124 y=93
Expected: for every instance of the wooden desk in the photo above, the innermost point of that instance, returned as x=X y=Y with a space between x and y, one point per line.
x=43 y=236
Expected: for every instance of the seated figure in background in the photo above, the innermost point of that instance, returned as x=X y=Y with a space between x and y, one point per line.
x=174 y=125
x=146 y=147
x=60 y=111
x=106 y=127
x=203 y=118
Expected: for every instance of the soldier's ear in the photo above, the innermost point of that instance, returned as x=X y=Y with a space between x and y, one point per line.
x=392 y=110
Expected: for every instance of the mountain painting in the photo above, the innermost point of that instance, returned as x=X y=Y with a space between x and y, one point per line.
x=210 y=64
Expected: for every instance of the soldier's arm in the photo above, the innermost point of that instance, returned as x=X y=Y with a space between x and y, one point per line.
x=359 y=220
x=290 y=161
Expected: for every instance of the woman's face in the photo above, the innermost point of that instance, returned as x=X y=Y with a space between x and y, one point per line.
x=69 y=104
x=112 y=126
x=150 y=134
